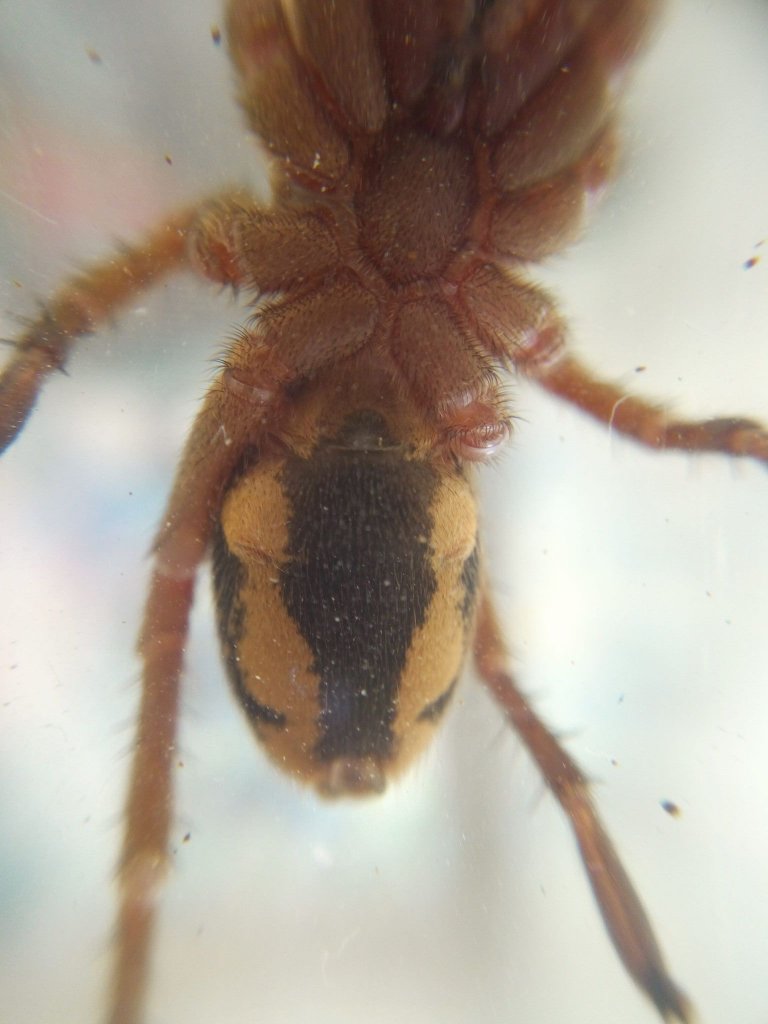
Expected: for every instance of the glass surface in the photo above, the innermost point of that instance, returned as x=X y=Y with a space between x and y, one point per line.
x=633 y=586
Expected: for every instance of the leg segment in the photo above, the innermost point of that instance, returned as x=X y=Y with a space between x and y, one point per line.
x=647 y=423
x=225 y=425
x=89 y=299
x=150 y=802
x=84 y=303
x=517 y=324
x=622 y=912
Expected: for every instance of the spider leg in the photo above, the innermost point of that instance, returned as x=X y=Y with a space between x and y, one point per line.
x=79 y=307
x=150 y=802
x=650 y=424
x=623 y=914
x=226 y=425
x=517 y=324
x=90 y=298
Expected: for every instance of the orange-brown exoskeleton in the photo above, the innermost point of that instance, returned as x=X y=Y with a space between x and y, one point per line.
x=422 y=154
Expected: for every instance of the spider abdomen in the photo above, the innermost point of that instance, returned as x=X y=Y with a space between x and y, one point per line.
x=345 y=582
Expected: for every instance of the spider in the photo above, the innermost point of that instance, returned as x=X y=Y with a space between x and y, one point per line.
x=455 y=423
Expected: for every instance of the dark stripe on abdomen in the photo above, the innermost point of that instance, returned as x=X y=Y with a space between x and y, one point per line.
x=358 y=582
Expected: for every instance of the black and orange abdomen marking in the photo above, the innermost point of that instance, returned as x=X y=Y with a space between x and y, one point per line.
x=344 y=627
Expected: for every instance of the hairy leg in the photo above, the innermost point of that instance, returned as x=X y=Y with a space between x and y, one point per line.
x=92 y=297
x=650 y=424
x=225 y=426
x=619 y=904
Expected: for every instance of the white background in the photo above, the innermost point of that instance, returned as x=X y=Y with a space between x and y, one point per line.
x=634 y=586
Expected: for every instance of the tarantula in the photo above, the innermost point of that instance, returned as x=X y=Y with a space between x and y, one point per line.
x=422 y=155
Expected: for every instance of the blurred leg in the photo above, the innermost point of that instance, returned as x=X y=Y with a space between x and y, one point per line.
x=622 y=912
